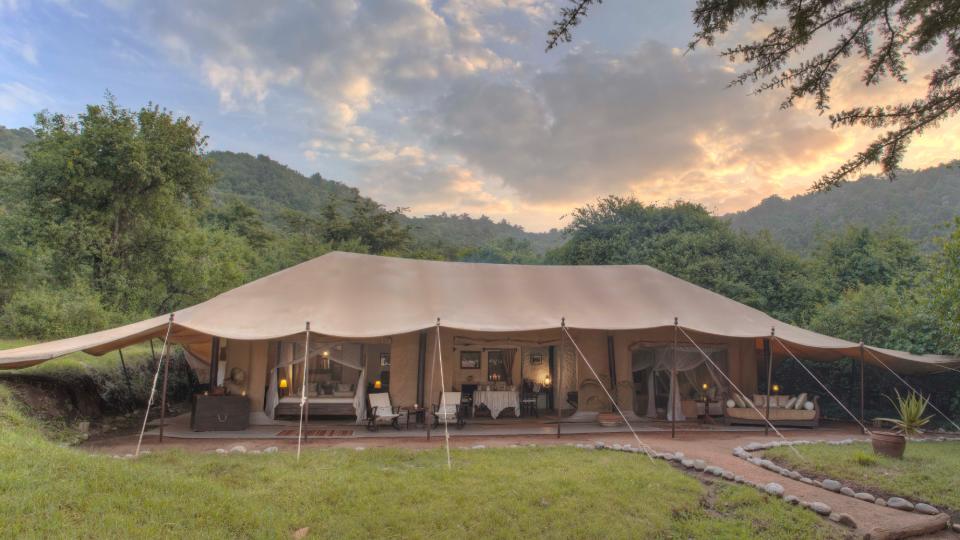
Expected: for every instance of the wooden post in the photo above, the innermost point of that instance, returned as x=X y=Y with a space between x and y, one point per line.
x=673 y=379
x=559 y=391
x=306 y=371
x=163 y=396
x=768 y=353
x=126 y=374
x=422 y=370
x=612 y=364
x=861 y=389
x=214 y=362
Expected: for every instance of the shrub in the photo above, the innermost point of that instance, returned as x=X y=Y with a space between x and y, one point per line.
x=864 y=459
x=45 y=313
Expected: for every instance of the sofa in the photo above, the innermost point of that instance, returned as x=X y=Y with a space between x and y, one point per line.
x=784 y=411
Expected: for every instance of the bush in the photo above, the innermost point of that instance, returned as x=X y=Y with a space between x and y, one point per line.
x=864 y=459
x=46 y=313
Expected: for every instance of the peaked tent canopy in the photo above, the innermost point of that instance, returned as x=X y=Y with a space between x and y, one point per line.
x=347 y=295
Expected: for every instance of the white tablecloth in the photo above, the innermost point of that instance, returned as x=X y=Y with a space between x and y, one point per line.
x=497 y=401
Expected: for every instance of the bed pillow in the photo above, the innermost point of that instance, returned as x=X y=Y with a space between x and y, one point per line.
x=731 y=404
x=808 y=406
x=791 y=403
x=343 y=387
x=740 y=402
x=801 y=400
x=760 y=400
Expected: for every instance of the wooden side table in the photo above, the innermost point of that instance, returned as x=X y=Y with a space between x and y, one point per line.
x=419 y=416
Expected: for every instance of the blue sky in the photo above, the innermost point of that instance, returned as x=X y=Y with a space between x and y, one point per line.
x=442 y=106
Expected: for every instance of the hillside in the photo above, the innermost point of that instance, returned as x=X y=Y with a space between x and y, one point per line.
x=918 y=202
x=12 y=142
x=272 y=187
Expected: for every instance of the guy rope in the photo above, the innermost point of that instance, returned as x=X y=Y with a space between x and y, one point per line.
x=153 y=388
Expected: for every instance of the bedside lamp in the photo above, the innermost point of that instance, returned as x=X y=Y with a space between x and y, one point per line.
x=377 y=384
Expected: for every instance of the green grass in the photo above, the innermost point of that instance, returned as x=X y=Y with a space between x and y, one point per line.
x=47 y=490
x=928 y=471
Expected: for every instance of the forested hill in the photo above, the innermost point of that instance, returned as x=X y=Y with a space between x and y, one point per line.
x=920 y=203
x=272 y=187
x=12 y=142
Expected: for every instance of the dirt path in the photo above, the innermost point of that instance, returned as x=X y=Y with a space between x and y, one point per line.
x=713 y=448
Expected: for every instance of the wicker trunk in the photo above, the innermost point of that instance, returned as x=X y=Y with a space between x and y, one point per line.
x=220 y=413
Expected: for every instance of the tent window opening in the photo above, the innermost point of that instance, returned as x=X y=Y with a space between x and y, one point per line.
x=497 y=367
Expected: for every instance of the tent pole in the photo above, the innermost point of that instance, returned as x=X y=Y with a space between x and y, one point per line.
x=163 y=395
x=861 y=386
x=126 y=374
x=769 y=354
x=673 y=379
x=153 y=387
x=559 y=391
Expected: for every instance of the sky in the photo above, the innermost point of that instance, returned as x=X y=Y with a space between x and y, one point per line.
x=450 y=106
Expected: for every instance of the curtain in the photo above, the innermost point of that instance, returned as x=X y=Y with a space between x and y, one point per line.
x=685 y=360
x=360 y=398
x=508 y=356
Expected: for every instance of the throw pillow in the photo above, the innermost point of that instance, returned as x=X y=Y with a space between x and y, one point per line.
x=760 y=400
x=740 y=401
x=801 y=399
x=791 y=403
x=808 y=405
x=731 y=404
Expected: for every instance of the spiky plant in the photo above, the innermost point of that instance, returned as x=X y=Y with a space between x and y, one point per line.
x=910 y=409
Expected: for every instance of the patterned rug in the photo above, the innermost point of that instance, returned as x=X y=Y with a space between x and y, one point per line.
x=317 y=433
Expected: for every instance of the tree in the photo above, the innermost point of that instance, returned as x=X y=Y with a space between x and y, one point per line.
x=110 y=193
x=861 y=256
x=790 y=56
x=943 y=288
x=686 y=241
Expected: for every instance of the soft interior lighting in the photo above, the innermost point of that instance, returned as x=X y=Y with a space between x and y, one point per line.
x=283 y=383
x=705 y=386
x=546 y=380
x=776 y=388
x=377 y=385
x=326 y=354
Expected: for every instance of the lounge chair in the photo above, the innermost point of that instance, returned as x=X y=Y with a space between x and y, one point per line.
x=449 y=410
x=381 y=411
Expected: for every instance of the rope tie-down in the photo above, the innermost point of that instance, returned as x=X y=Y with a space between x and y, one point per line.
x=643 y=446
x=895 y=374
x=153 y=388
x=304 y=404
x=438 y=355
x=735 y=387
x=827 y=390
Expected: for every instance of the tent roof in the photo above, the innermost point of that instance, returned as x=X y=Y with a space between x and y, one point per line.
x=360 y=296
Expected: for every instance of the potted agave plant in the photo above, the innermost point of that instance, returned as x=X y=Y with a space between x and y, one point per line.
x=910 y=411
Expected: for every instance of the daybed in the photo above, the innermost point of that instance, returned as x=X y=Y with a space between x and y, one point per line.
x=780 y=414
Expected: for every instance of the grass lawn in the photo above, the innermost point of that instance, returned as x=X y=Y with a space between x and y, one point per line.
x=47 y=490
x=928 y=471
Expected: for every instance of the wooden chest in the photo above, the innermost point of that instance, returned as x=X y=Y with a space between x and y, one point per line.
x=220 y=413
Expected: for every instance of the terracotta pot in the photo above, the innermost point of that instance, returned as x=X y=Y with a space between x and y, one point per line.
x=888 y=444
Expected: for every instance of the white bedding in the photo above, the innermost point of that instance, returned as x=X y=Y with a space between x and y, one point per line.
x=318 y=399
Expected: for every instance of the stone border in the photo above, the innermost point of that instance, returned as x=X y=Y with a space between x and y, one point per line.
x=772 y=488
x=899 y=503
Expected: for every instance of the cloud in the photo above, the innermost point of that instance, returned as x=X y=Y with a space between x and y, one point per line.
x=452 y=106
x=15 y=96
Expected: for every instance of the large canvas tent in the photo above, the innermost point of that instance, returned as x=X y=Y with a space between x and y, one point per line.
x=352 y=296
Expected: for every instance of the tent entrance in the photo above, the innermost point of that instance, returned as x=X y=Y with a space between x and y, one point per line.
x=671 y=383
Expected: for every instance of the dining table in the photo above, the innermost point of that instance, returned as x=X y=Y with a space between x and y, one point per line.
x=497 y=401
